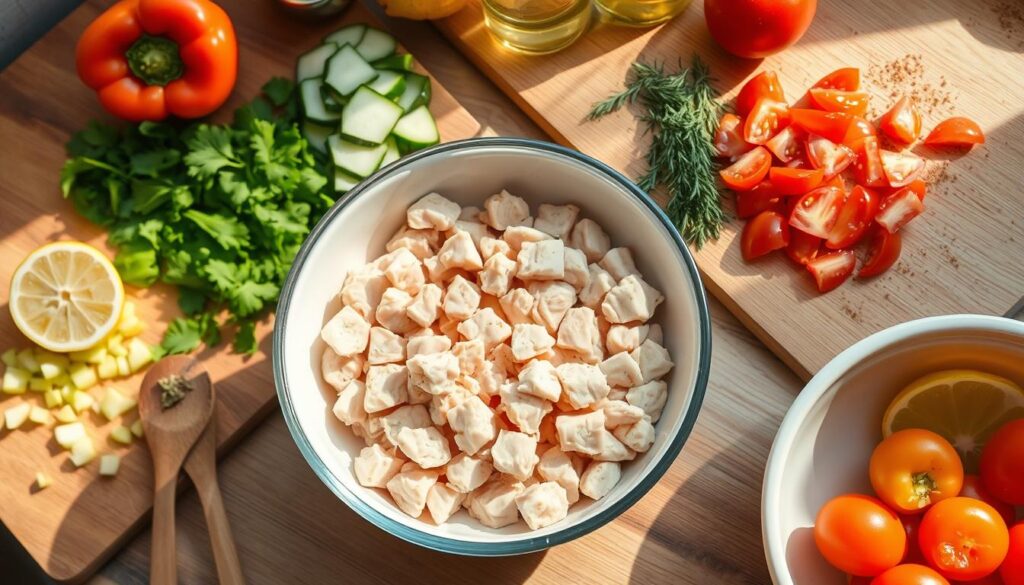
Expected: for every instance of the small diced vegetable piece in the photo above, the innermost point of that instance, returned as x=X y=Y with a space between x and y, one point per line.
x=124 y=369
x=10 y=357
x=40 y=415
x=93 y=355
x=83 y=451
x=114 y=404
x=15 y=380
x=83 y=376
x=27 y=360
x=417 y=129
x=115 y=345
x=66 y=393
x=355 y=159
x=108 y=368
x=376 y=44
x=139 y=355
x=343 y=183
x=16 y=416
x=346 y=70
x=401 y=62
x=53 y=368
x=312 y=64
x=67 y=414
x=417 y=92
x=109 y=465
x=53 y=399
x=68 y=434
x=39 y=385
x=137 y=428
x=81 y=400
x=122 y=435
x=313 y=102
x=131 y=327
x=369 y=117
x=43 y=481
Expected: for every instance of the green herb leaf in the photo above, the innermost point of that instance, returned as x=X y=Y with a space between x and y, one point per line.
x=245 y=338
x=182 y=336
x=278 y=90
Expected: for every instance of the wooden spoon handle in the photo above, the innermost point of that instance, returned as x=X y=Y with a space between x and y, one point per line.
x=163 y=557
x=229 y=569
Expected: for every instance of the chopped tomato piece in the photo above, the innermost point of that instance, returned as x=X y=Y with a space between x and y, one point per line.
x=854 y=218
x=802 y=247
x=766 y=232
x=761 y=197
x=789 y=181
x=786 y=145
x=858 y=131
x=764 y=120
x=868 y=167
x=919 y=188
x=884 y=249
x=956 y=132
x=831 y=125
x=748 y=170
x=831 y=270
x=729 y=138
x=898 y=209
x=846 y=79
x=837 y=181
x=763 y=85
x=828 y=156
x=854 y=103
x=901 y=168
x=816 y=212
x=799 y=162
x=902 y=122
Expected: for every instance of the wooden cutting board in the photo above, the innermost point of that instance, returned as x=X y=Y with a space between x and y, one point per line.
x=963 y=255
x=73 y=526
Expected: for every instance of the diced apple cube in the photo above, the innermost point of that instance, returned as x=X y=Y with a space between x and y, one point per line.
x=15 y=380
x=132 y=327
x=83 y=376
x=52 y=365
x=124 y=369
x=67 y=414
x=43 y=481
x=10 y=357
x=109 y=465
x=81 y=400
x=27 y=360
x=114 y=404
x=115 y=345
x=137 y=428
x=66 y=392
x=121 y=435
x=68 y=434
x=16 y=416
x=93 y=355
x=139 y=355
x=39 y=384
x=53 y=398
x=83 y=451
x=108 y=368
x=40 y=415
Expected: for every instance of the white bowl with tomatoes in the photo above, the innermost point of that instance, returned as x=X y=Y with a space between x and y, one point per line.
x=824 y=447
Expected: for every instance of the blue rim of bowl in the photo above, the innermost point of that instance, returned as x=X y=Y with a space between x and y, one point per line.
x=527 y=544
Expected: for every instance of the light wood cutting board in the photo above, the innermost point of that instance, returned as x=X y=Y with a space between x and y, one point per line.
x=74 y=525
x=963 y=255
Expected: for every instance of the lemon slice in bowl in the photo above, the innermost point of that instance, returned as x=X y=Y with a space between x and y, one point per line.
x=66 y=296
x=964 y=406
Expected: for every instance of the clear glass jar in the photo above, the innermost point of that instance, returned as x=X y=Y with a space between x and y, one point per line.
x=641 y=12
x=537 y=26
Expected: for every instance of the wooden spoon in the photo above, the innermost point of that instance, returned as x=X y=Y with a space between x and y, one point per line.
x=170 y=434
x=201 y=466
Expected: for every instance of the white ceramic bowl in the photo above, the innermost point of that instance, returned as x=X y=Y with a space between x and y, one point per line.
x=356 y=229
x=826 y=439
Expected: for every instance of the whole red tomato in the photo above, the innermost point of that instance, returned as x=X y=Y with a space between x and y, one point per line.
x=963 y=538
x=758 y=28
x=1002 y=463
x=859 y=535
x=1012 y=570
x=975 y=488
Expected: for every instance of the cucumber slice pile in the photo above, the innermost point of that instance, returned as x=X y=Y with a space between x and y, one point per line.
x=362 y=104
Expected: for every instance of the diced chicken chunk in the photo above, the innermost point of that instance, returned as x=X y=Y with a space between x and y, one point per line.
x=653 y=359
x=443 y=501
x=434 y=373
x=599 y=282
x=471 y=356
x=518 y=306
x=612 y=449
x=486 y=326
x=405 y=271
x=496 y=277
x=620 y=412
x=581 y=432
x=631 y=300
x=347 y=333
x=425 y=306
x=524 y=410
x=625 y=337
x=555 y=465
x=621 y=370
x=490 y=247
x=553 y=298
x=391 y=312
x=475 y=229
x=504 y=210
x=473 y=423
x=437 y=273
x=516 y=236
x=542 y=504
x=362 y=290
x=427 y=344
x=466 y=473
x=409 y=489
x=599 y=478
x=440 y=405
x=385 y=347
x=578 y=332
x=459 y=251
x=385 y=387
x=576 y=271
x=494 y=503
x=651 y=397
x=530 y=341
x=515 y=453
x=338 y=371
x=348 y=408
x=591 y=239
x=556 y=220
x=491 y=377
x=422 y=243
x=470 y=213
x=543 y=260
x=462 y=299
x=619 y=263
x=374 y=466
x=540 y=379
x=584 y=385
x=638 y=436
x=410 y=416
x=433 y=212
x=426 y=446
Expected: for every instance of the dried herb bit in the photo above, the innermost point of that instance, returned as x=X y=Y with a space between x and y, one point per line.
x=173 y=389
x=681 y=113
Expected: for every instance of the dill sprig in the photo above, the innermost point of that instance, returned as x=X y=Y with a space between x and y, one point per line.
x=681 y=114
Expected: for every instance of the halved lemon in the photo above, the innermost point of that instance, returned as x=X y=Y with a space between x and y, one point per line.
x=964 y=406
x=66 y=296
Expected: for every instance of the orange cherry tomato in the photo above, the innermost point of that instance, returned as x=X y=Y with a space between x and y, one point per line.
x=856 y=215
x=956 y=132
x=854 y=103
x=763 y=85
x=764 y=120
x=910 y=575
x=902 y=122
x=802 y=247
x=884 y=249
x=858 y=535
x=787 y=144
x=748 y=170
x=975 y=488
x=789 y=181
x=766 y=232
x=831 y=270
x=1002 y=463
x=915 y=468
x=846 y=79
x=868 y=167
x=831 y=125
x=963 y=538
x=897 y=209
x=1012 y=569
x=729 y=137
x=859 y=130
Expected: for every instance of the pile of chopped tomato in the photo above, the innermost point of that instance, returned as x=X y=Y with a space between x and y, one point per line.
x=814 y=179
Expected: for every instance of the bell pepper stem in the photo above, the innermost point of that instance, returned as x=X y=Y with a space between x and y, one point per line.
x=155 y=60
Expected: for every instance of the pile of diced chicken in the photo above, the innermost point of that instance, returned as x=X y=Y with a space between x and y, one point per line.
x=497 y=361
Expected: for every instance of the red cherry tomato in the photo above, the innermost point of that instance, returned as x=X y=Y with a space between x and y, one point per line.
x=956 y=132
x=993 y=579
x=748 y=170
x=831 y=270
x=766 y=232
x=901 y=168
x=846 y=79
x=815 y=213
x=729 y=138
x=859 y=535
x=1012 y=570
x=855 y=217
x=828 y=156
x=758 y=28
x=763 y=196
x=910 y=575
x=763 y=85
x=902 y=122
x=789 y=181
x=787 y=144
x=764 y=120
x=831 y=125
x=868 y=167
x=859 y=130
x=912 y=526
x=854 y=103
x=974 y=488
x=963 y=538
x=898 y=209
x=802 y=247
x=884 y=249
x=1002 y=463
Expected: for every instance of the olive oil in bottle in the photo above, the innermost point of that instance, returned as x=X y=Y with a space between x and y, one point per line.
x=537 y=26
x=641 y=12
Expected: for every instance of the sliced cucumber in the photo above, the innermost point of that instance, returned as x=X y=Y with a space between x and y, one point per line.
x=388 y=84
x=316 y=135
x=355 y=159
x=417 y=92
x=313 y=103
x=376 y=44
x=311 y=64
x=392 y=153
x=346 y=71
x=343 y=183
x=331 y=100
x=368 y=117
x=395 y=62
x=416 y=130
x=349 y=35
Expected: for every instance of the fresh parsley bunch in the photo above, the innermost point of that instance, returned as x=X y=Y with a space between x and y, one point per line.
x=217 y=210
